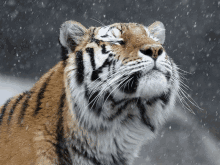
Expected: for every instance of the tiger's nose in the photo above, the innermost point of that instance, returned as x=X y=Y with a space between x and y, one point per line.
x=152 y=51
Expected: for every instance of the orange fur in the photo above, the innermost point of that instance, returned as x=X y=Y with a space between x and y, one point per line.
x=32 y=141
x=136 y=37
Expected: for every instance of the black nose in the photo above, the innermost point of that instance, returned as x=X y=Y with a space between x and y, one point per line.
x=153 y=52
x=147 y=52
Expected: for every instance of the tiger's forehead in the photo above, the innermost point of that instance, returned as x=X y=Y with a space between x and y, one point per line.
x=118 y=28
x=122 y=27
x=124 y=39
x=137 y=33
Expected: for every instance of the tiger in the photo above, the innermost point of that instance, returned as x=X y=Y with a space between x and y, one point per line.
x=113 y=88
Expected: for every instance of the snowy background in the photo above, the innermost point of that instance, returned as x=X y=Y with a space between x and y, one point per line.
x=29 y=33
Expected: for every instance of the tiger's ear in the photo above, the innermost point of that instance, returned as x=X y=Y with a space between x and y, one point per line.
x=157 y=30
x=71 y=34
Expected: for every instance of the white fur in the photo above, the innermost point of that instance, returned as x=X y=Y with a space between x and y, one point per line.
x=113 y=34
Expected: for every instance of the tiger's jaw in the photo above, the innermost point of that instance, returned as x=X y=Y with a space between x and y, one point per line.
x=148 y=83
x=143 y=85
x=154 y=83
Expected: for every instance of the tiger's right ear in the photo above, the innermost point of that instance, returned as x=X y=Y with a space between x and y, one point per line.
x=71 y=34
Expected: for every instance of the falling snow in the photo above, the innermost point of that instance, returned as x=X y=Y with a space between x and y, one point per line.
x=29 y=47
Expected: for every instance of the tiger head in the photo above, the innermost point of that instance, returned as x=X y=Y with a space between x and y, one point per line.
x=112 y=64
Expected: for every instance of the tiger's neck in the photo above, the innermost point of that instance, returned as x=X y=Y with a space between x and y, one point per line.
x=108 y=132
x=112 y=140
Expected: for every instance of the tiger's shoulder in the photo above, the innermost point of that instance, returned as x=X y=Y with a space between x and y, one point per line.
x=29 y=119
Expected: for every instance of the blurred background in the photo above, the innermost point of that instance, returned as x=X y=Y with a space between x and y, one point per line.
x=29 y=46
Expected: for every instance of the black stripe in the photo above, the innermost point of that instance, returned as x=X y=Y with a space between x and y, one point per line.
x=119 y=159
x=121 y=42
x=93 y=39
x=14 y=106
x=94 y=75
x=129 y=118
x=41 y=95
x=64 y=53
x=3 y=110
x=116 y=144
x=152 y=101
x=24 y=107
x=144 y=118
x=106 y=63
x=104 y=36
x=90 y=51
x=96 y=41
x=112 y=27
x=165 y=97
x=76 y=109
x=85 y=154
x=108 y=96
x=104 y=51
x=80 y=67
x=109 y=72
x=99 y=70
x=120 y=109
x=61 y=149
x=130 y=87
x=82 y=121
x=121 y=29
x=168 y=76
x=113 y=67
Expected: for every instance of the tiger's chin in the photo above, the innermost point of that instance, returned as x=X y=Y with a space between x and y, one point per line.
x=153 y=84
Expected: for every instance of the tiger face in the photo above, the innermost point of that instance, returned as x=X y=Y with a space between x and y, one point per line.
x=116 y=64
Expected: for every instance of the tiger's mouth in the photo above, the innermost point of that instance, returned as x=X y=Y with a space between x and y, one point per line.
x=167 y=74
x=145 y=84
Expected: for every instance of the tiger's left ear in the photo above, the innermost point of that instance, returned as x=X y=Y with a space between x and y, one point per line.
x=157 y=30
x=71 y=34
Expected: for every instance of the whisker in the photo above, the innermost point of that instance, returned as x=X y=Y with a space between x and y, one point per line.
x=190 y=99
x=113 y=91
x=98 y=21
x=183 y=71
x=184 y=104
x=182 y=83
x=101 y=93
x=111 y=83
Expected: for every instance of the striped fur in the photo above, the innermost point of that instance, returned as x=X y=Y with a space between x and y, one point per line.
x=98 y=105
